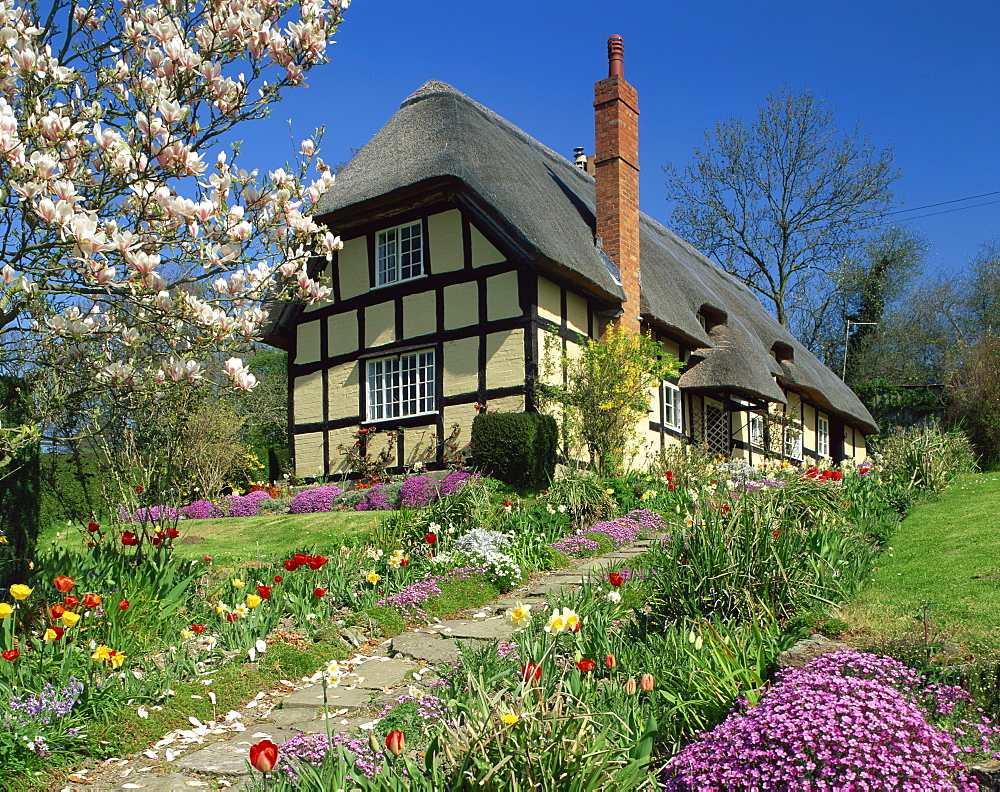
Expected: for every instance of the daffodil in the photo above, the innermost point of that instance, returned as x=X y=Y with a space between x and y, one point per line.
x=19 y=591
x=101 y=653
x=519 y=615
x=116 y=659
x=373 y=577
x=565 y=619
x=237 y=583
x=241 y=610
x=332 y=674
x=186 y=634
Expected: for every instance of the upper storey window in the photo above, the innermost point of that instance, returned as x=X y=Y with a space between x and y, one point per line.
x=399 y=254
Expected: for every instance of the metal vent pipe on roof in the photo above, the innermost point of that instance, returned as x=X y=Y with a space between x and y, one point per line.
x=579 y=158
x=616 y=50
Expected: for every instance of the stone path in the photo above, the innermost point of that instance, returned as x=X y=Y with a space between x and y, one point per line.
x=214 y=755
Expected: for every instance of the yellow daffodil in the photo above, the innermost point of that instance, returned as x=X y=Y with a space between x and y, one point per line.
x=609 y=491
x=519 y=615
x=19 y=591
x=4 y=540
x=101 y=653
x=565 y=619
x=688 y=521
x=396 y=561
x=373 y=577
x=5 y=610
x=253 y=600
x=220 y=608
x=186 y=634
x=116 y=659
x=237 y=583
x=69 y=618
x=509 y=718
x=648 y=495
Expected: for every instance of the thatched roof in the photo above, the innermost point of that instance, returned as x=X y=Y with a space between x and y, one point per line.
x=547 y=203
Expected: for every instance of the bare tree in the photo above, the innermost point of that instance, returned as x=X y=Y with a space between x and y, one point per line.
x=782 y=201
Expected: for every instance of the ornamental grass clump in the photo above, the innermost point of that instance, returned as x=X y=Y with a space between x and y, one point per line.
x=844 y=722
x=317 y=499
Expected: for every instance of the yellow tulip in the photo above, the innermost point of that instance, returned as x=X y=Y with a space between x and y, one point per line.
x=19 y=591
x=50 y=636
x=116 y=659
x=69 y=618
x=5 y=610
x=253 y=600
x=101 y=653
x=237 y=583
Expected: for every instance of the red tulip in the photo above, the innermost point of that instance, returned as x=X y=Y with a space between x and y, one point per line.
x=404 y=562
x=264 y=592
x=231 y=617
x=585 y=665
x=290 y=565
x=57 y=611
x=264 y=756
x=301 y=558
x=670 y=475
x=430 y=538
x=671 y=486
x=129 y=539
x=317 y=561
x=10 y=654
x=93 y=527
x=610 y=662
x=138 y=489
x=173 y=533
x=70 y=602
x=156 y=540
x=531 y=672
x=395 y=741
x=615 y=579
x=90 y=544
x=197 y=628
x=319 y=592
x=278 y=578
x=123 y=605
x=63 y=583
x=91 y=600
x=837 y=475
x=208 y=559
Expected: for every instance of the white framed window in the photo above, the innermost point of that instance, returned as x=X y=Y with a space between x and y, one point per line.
x=399 y=254
x=401 y=386
x=793 y=441
x=757 y=431
x=673 y=413
x=822 y=436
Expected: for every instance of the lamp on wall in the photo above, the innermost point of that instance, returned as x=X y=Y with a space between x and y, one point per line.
x=847 y=340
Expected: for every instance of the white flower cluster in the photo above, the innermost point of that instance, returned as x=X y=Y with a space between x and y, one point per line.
x=479 y=541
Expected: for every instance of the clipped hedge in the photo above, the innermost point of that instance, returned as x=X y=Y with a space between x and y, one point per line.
x=19 y=490
x=516 y=448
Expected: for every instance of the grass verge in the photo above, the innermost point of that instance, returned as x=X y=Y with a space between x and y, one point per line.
x=942 y=564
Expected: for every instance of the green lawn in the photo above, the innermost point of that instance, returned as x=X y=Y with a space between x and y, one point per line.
x=241 y=538
x=947 y=553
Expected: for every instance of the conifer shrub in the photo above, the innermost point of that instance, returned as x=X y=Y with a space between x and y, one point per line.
x=517 y=448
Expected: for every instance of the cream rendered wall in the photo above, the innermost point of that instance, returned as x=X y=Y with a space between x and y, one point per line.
x=461 y=305
x=461 y=365
x=809 y=426
x=419 y=314
x=307 y=397
x=860 y=447
x=353 y=268
x=849 y=451
x=380 y=324
x=577 y=311
x=463 y=415
x=309 y=454
x=342 y=333
x=445 y=232
x=483 y=252
x=505 y=359
x=344 y=382
x=549 y=358
x=549 y=300
x=502 y=297
x=338 y=456
x=307 y=342
x=419 y=446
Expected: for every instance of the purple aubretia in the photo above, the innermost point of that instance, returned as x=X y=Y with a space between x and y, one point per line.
x=374 y=500
x=317 y=499
x=845 y=721
x=627 y=529
x=246 y=505
x=418 y=492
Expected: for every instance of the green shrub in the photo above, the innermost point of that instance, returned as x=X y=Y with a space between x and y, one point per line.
x=71 y=489
x=517 y=448
x=19 y=491
x=924 y=457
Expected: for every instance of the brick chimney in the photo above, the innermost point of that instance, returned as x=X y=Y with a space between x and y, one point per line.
x=616 y=123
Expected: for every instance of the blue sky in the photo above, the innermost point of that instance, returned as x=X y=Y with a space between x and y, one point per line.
x=921 y=76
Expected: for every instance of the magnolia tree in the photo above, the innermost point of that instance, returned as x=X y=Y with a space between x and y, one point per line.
x=133 y=248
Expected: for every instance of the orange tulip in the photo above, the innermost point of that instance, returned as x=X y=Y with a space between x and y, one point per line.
x=63 y=583
x=91 y=600
x=264 y=756
x=395 y=741
x=646 y=682
x=57 y=611
x=70 y=602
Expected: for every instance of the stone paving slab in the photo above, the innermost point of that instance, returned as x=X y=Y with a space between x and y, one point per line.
x=337 y=725
x=545 y=589
x=229 y=758
x=375 y=675
x=167 y=781
x=311 y=698
x=426 y=646
x=489 y=630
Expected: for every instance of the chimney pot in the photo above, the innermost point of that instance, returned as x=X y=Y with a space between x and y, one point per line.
x=616 y=50
x=579 y=158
